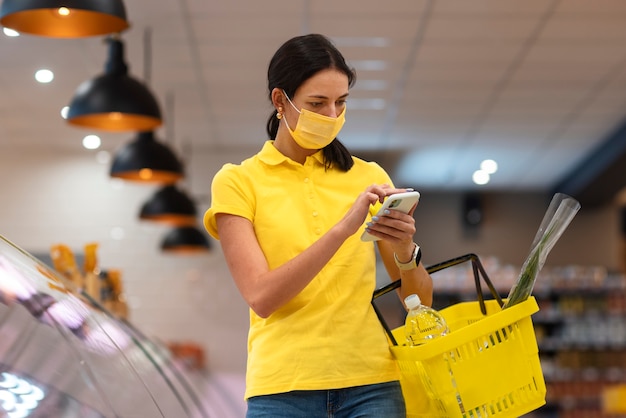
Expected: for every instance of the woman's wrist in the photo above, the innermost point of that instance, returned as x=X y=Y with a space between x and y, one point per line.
x=342 y=230
x=404 y=252
x=409 y=263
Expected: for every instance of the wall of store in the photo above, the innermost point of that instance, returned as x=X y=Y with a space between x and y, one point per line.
x=510 y=222
x=68 y=198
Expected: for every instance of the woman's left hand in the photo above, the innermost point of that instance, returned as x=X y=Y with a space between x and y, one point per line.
x=395 y=227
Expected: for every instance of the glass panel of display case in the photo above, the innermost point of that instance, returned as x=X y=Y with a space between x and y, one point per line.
x=61 y=354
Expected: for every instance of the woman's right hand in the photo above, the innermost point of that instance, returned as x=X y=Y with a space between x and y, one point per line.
x=354 y=218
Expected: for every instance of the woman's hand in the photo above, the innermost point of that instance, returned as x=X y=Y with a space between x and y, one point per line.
x=395 y=227
x=354 y=218
x=397 y=230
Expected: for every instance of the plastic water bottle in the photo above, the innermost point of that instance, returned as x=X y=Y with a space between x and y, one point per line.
x=423 y=323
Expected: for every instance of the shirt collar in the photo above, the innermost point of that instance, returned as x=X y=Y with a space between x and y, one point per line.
x=271 y=156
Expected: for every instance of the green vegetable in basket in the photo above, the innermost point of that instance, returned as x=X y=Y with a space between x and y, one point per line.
x=558 y=216
x=526 y=280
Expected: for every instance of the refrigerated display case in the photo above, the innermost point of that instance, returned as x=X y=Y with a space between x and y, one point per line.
x=63 y=355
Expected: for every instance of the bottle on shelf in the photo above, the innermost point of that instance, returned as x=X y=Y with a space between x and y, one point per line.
x=423 y=323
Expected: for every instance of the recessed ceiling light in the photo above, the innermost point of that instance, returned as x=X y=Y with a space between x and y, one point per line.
x=92 y=142
x=44 y=76
x=64 y=111
x=489 y=166
x=480 y=177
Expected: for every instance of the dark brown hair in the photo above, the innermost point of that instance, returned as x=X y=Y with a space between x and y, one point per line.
x=296 y=61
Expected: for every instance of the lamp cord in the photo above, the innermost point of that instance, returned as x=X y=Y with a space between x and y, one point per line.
x=169 y=114
x=147 y=55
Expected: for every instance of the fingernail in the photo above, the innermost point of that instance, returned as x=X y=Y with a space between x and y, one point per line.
x=386 y=212
x=409 y=189
x=374 y=219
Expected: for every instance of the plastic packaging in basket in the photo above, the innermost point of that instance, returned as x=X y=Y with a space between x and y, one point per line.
x=488 y=366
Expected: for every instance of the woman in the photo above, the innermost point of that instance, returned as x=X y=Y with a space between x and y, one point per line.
x=289 y=220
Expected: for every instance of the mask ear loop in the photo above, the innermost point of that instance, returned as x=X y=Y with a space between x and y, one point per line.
x=292 y=105
x=290 y=102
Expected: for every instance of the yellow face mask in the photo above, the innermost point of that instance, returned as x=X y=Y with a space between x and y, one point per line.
x=315 y=131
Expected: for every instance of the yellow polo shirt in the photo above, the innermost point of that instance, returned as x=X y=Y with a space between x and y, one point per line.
x=328 y=336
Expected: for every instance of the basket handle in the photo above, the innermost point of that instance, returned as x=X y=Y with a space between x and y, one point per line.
x=477 y=269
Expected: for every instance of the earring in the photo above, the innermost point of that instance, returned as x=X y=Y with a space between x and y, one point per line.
x=279 y=113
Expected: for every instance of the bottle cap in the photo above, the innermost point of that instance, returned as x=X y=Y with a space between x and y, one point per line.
x=412 y=301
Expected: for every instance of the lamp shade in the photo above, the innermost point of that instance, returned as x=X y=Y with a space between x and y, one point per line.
x=169 y=206
x=185 y=240
x=146 y=160
x=114 y=101
x=64 y=18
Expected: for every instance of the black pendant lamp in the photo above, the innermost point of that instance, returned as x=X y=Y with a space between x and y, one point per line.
x=147 y=160
x=64 y=18
x=185 y=240
x=169 y=206
x=114 y=101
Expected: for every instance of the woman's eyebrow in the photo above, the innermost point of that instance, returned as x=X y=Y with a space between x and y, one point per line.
x=320 y=96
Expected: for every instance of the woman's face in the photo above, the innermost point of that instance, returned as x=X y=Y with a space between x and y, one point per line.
x=324 y=93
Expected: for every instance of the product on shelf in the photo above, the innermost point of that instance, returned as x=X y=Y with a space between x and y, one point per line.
x=65 y=263
x=104 y=287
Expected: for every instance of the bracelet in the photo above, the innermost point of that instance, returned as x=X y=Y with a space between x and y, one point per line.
x=411 y=264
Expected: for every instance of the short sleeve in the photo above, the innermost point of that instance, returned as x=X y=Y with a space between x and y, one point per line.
x=231 y=193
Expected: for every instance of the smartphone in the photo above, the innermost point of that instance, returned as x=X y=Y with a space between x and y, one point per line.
x=399 y=201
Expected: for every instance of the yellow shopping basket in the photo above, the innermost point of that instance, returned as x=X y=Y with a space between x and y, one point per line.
x=487 y=366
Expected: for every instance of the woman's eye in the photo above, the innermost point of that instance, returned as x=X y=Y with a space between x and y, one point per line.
x=316 y=104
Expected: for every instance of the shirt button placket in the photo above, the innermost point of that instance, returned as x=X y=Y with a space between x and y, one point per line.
x=317 y=230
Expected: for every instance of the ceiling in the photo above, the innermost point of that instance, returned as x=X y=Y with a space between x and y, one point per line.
x=537 y=85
